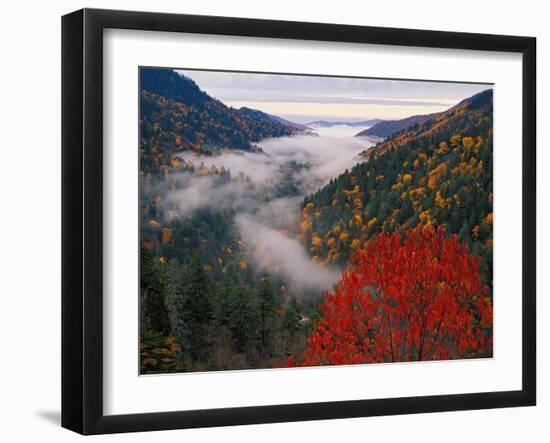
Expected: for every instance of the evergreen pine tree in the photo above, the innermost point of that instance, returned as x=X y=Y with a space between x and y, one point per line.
x=268 y=305
x=292 y=317
x=244 y=318
x=190 y=308
x=154 y=315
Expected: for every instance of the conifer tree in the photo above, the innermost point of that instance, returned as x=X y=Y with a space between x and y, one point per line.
x=154 y=315
x=268 y=305
x=190 y=309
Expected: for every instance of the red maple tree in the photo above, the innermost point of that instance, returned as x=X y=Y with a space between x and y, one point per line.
x=412 y=297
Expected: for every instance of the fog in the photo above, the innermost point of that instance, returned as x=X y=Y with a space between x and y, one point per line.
x=326 y=156
x=272 y=250
x=265 y=191
x=259 y=167
x=195 y=192
x=321 y=157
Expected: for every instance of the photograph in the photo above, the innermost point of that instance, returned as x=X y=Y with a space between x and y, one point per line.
x=301 y=220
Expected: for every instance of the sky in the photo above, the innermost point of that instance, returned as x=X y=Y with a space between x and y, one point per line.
x=303 y=99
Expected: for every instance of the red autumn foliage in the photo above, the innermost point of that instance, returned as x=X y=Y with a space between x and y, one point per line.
x=412 y=297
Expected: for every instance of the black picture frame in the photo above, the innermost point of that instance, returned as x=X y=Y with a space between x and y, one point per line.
x=82 y=218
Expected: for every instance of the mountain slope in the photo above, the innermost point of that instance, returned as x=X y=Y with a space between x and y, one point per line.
x=263 y=116
x=439 y=172
x=176 y=115
x=289 y=123
x=386 y=128
x=474 y=113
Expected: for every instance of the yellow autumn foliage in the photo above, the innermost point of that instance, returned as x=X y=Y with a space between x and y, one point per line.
x=436 y=174
x=356 y=220
x=455 y=140
x=426 y=217
x=316 y=241
x=396 y=186
x=468 y=142
x=175 y=163
x=305 y=226
x=308 y=209
x=441 y=201
x=154 y=224
x=166 y=237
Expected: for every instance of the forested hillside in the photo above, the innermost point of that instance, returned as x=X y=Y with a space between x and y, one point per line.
x=435 y=173
x=202 y=307
x=176 y=116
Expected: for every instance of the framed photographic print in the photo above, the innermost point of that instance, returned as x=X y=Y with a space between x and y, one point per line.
x=270 y=221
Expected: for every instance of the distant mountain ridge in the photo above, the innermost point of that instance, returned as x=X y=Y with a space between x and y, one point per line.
x=387 y=128
x=329 y=124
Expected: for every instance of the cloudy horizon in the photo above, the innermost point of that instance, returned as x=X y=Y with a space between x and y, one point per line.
x=303 y=99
